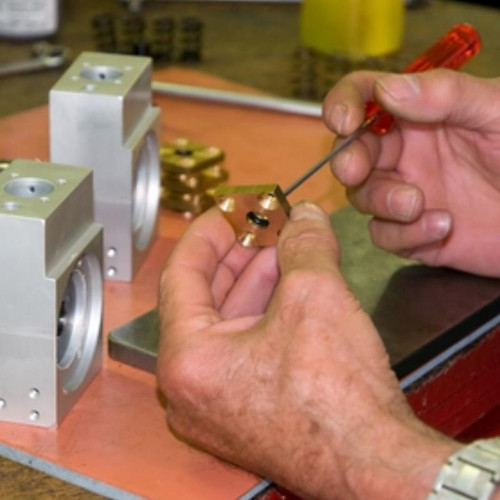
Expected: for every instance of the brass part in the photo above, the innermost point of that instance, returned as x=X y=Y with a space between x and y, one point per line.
x=190 y=172
x=185 y=156
x=257 y=213
x=182 y=182
x=195 y=183
x=188 y=203
x=213 y=176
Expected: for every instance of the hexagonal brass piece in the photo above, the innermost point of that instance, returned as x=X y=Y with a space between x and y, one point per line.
x=257 y=213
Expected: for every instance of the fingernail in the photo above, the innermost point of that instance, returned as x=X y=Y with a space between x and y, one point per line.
x=338 y=116
x=307 y=211
x=399 y=87
x=438 y=225
x=402 y=202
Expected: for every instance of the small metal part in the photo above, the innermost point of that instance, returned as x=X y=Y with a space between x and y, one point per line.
x=187 y=203
x=207 y=178
x=213 y=176
x=190 y=171
x=183 y=156
x=257 y=213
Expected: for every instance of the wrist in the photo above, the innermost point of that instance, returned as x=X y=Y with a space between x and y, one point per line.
x=401 y=460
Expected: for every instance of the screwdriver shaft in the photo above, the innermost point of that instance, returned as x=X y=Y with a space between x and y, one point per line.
x=336 y=150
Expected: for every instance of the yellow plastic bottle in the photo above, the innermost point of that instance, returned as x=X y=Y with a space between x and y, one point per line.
x=354 y=28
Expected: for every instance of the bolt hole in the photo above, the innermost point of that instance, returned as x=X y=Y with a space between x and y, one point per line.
x=34 y=393
x=258 y=219
x=111 y=272
x=29 y=187
x=34 y=415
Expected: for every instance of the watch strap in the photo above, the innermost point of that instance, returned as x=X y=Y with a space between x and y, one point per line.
x=472 y=473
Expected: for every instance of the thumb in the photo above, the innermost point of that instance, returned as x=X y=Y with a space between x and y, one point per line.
x=307 y=242
x=441 y=96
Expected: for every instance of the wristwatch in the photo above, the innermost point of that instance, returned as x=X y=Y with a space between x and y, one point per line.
x=472 y=473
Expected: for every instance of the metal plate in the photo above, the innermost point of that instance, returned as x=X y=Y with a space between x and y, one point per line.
x=423 y=314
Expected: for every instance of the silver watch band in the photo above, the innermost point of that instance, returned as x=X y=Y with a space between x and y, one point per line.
x=473 y=473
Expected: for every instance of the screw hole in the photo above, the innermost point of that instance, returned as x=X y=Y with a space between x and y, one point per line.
x=34 y=393
x=34 y=415
x=258 y=219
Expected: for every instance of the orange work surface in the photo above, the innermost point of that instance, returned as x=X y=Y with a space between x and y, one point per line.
x=115 y=439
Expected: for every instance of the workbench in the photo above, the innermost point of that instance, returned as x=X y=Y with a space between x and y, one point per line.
x=263 y=38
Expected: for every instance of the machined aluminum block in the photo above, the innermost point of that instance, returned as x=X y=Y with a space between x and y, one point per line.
x=101 y=117
x=50 y=291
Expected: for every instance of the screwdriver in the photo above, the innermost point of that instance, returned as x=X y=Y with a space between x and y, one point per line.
x=451 y=51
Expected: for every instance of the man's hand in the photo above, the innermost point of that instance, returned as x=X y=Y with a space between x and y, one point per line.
x=267 y=361
x=433 y=182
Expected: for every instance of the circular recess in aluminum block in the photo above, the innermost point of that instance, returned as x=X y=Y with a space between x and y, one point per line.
x=146 y=192
x=79 y=321
x=29 y=187
x=101 y=73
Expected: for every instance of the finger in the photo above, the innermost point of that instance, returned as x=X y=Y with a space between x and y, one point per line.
x=432 y=227
x=441 y=96
x=344 y=105
x=186 y=284
x=354 y=164
x=386 y=197
x=228 y=271
x=250 y=294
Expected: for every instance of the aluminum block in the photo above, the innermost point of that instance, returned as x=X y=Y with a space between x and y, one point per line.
x=51 y=291
x=101 y=117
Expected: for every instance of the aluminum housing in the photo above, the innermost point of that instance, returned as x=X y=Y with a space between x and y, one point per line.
x=50 y=291
x=101 y=117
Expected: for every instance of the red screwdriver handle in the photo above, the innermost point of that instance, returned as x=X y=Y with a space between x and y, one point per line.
x=451 y=51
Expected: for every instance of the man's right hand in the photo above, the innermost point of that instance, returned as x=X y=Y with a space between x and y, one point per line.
x=432 y=183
